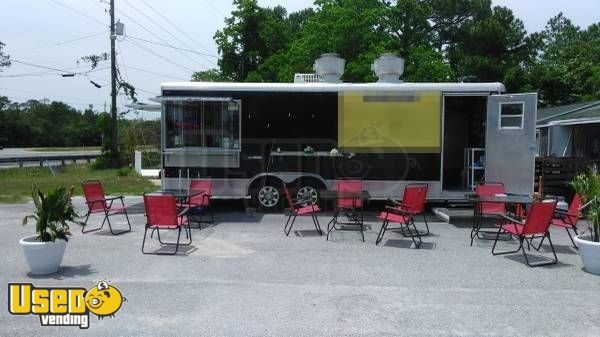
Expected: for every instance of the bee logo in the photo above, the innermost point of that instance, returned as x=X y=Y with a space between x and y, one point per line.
x=104 y=300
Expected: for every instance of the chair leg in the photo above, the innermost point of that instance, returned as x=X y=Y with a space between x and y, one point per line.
x=95 y=229
x=571 y=237
x=119 y=232
x=285 y=225
x=144 y=240
x=554 y=261
x=331 y=224
x=507 y=252
x=288 y=230
x=381 y=232
x=317 y=225
x=426 y=225
x=412 y=236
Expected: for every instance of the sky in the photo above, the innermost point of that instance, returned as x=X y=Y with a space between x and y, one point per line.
x=56 y=33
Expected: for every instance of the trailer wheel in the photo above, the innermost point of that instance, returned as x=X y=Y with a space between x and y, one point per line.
x=309 y=188
x=267 y=196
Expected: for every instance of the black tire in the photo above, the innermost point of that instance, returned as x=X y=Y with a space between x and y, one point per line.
x=267 y=194
x=311 y=186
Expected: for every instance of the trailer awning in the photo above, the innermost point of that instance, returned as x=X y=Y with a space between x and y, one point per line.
x=161 y=99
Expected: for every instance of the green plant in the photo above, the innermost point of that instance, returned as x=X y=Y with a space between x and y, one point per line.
x=123 y=172
x=53 y=210
x=587 y=185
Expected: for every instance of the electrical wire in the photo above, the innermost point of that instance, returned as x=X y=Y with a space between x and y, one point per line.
x=170 y=46
x=160 y=56
x=79 y=12
x=61 y=71
x=155 y=73
x=175 y=26
x=213 y=7
x=61 y=42
x=163 y=29
x=160 y=38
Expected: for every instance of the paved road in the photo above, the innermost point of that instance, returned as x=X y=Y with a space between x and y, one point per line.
x=244 y=277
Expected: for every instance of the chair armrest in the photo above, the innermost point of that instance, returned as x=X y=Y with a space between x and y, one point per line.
x=114 y=198
x=398 y=211
x=183 y=212
x=511 y=219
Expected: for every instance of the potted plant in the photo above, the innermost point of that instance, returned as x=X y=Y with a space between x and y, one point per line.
x=587 y=185
x=44 y=251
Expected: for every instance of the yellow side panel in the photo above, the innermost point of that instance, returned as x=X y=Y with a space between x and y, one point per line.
x=390 y=121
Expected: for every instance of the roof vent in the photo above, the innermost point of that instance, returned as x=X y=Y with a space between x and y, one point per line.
x=388 y=68
x=330 y=67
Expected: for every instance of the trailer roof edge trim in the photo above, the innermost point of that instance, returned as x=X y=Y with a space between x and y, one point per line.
x=333 y=87
x=161 y=99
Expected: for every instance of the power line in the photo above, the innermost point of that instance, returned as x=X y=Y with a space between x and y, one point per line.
x=160 y=56
x=79 y=12
x=152 y=33
x=176 y=27
x=63 y=71
x=171 y=46
x=155 y=73
x=213 y=7
x=162 y=28
x=49 y=94
x=62 y=42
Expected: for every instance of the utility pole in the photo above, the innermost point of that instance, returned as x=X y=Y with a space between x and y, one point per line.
x=114 y=141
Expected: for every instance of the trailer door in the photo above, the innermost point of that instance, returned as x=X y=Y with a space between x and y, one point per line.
x=510 y=141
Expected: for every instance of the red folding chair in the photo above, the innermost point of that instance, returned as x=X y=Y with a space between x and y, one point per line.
x=299 y=207
x=536 y=224
x=413 y=200
x=404 y=212
x=97 y=202
x=567 y=219
x=351 y=206
x=162 y=214
x=487 y=209
x=200 y=193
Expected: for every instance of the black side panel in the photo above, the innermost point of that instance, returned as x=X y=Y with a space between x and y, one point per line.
x=291 y=121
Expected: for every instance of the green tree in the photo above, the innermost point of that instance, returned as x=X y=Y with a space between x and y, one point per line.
x=567 y=66
x=250 y=36
x=4 y=58
x=485 y=49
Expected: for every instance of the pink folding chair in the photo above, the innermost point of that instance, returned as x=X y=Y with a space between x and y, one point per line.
x=487 y=209
x=536 y=225
x=97 y=202
x=404 y=212
x=200 y=193
x=162 y=214
x=299 y=207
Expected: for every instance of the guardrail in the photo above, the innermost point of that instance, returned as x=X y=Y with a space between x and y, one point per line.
x=43 y=159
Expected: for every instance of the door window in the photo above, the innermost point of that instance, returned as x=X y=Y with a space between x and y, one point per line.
x=511 y=115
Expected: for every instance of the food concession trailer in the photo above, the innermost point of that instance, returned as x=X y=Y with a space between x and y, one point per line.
x=250 y=138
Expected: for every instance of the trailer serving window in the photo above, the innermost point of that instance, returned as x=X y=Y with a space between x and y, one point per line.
x=209 y=124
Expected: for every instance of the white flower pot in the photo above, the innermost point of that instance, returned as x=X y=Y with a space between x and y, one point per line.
x=43 y=257
x=590 y=253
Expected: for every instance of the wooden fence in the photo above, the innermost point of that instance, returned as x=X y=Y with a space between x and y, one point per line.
x=555 y=173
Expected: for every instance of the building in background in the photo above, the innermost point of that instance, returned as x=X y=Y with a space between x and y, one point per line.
x=569 y=131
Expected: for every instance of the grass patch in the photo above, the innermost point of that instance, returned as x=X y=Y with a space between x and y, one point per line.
x=64 y=149
x=15 y=183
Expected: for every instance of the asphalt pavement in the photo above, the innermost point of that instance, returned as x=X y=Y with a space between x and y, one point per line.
x=244 y=277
